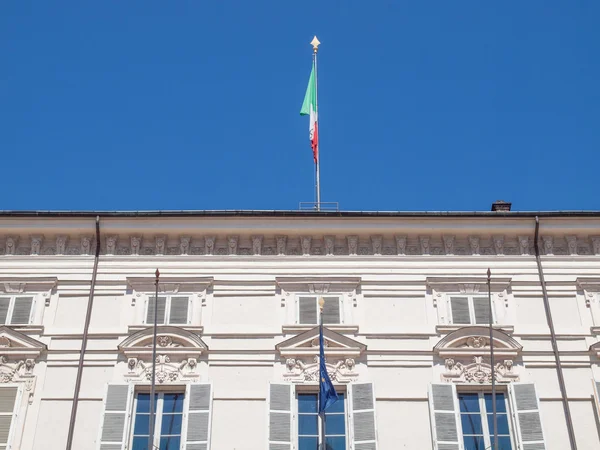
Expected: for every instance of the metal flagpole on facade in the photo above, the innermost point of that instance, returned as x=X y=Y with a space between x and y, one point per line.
x=322 y=413
x=153 y=381
x=315 y=43
x=492 y=363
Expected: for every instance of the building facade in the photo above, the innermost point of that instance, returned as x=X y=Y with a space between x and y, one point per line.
x=405 y=327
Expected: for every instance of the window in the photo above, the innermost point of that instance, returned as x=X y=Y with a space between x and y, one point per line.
x=309 y=425
x=16 y=310
x=172 y=310
x=169 y=419
x=308 y=310
x=477 y=424
x=469 y=310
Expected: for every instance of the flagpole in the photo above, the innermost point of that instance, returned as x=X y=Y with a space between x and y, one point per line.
x=153 y=381
x=315 y=43
x=494 y=417
x=322 y=413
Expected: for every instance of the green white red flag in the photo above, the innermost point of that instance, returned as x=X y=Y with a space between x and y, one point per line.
x=309 y=108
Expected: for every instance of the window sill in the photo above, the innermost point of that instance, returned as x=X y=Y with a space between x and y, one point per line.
x=193 y=328
x=340 y=328
x=448 y=328
x=27 y=329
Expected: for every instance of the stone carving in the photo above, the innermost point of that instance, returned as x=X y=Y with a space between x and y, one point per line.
x=305 y=243
x=401 y=245
x=232 y=245
x=86 y=243
x=160 y=242
x=424 y=241
x=477 y=342
x=164 y=341
x=136 y=242
x=352 y=245
x=548 y=245
x=596 y=244
x=257 y=245
x=377 y=244
x=498 y=244
x=281 y=244
x=571 y=244
x=209 y=245
x=36 y=244
x=166 y=370
x=524 y=245
x=478 y=372
x=111 y=244
x=299 y=371
x=11 y=245
x=448 y=244
x=474 y=244
x=329 y=245
x=184 y=244
x=61 y=244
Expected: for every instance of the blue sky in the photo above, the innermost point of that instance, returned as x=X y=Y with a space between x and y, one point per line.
x=431 y=105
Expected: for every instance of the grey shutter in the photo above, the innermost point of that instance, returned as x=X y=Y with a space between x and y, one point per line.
x=22 y=310
x=527 y=410
x=280 y=416
x=113 y=433
x=460 y=310
x=199 y=416
x=4 y=304
x=443 y=406
x=596 y=386
x=362 y=407
x=331 y=310
x=178 y=313
x=162 y=305
x=8 y=410
x=307 y=310
x=482 y=310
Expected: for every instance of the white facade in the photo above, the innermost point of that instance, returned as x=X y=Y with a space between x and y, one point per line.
x=405 y=300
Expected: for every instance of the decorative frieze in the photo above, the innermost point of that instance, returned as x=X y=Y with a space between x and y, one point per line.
x=424 y=241
x=474 y=245
x=448 y=244
x=301 y=371
x=478 y=371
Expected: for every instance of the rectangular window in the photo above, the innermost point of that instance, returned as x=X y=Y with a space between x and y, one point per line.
x=477 y=421
x=16 y=310
x=308 y=309
x=469 y=310
x=310 y=426
x=172 y=310
x=169 y=420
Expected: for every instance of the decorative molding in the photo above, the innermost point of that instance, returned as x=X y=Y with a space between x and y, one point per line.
x=329 y=245
x=474 y=245
x=19 y=285
x=448 y=244
x=595 y=349
x=524 y=245
x=136 y=242
x=36 y=244
x=424 y=242
x=498 y=244
x=352 y=245
x=175 y=342
x=305 y=244
x=257 y=245
x=307 y=344
x=184 y=244
x=11 y=245
x=475 y=341
x=86 y=244
x=571 y=244
x=467 y=285
x=595 y=244
x=232 y=245
x=377 y=244
x=111 y=244
x=400 y=245
x=171 y=285
x=299 y=371
x=478 y=372
x=61 y=244
x=319 y=285
x=299 y=328
x=281 y=245
x=548 y=244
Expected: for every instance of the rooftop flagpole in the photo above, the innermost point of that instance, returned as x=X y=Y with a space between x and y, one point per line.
x=315 y=43
x=153 y=381
x=492 y=362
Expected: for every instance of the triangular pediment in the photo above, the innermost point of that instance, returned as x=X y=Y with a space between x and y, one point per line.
x=307 y=343
x=475 y=341
x=15 y=344
x=171 y=341
x=595 y=349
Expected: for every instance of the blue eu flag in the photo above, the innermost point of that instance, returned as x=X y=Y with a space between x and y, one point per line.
x=327 y=394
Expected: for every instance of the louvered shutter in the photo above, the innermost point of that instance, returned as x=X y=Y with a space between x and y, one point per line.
x=331 y=310
x=178 y=313
x=460 y=310
x=307 y=310
x=280 y=416
x=527 y=410
x=596 y=385
x=443 y=406
x=9 y=401
x=482 y=310
x=4 y=304
x=162 y=305
x=21 y=310
x=362 y=407
x=199 y=416
x=117 y=404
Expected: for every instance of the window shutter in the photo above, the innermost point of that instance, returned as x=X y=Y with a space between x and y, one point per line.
x=280 y=416
x=596 y=385
x=460 y=310
x=331 y=310
x=9 y=396
x=443 y=406
x=179 y=310
x=362 y=407
x=307 y=310
x=527 y=410
x=22 y=310
x=162 y=305
x=199 y=416
x=4 y=304
x=113 y=433
x=482 y=310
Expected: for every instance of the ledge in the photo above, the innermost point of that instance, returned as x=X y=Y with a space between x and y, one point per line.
x=508 y=329
x=193 y=329
x=595 y=329
x=340 y=328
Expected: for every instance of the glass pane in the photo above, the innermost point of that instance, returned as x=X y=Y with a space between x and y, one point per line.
x=308 y=443
x=471 y=424
x=500 y=402
x=140 y=443
x=335 y=443
x=468 y=402
x=337 y=406
x=171 y=424
x=173 y=403
x=308 y=424
x=474 y=443
x=502 y=423
x=307 y=403
x=143 y=402
x=504 y=443
x=335 y=424
x=142 y=424
x=170 y=443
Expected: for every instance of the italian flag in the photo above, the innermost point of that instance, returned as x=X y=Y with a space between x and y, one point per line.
x=309 y=108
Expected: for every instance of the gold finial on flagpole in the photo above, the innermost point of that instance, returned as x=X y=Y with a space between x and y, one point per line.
x=315 y=43
x=321 y=304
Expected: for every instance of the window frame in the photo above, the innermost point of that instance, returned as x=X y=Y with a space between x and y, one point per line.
x=168 y=298
x=340 y=298
x=314 y=390
x=11 y=308
x=471 y=304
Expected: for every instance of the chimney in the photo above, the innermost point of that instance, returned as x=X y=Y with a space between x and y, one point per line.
x=501 y=205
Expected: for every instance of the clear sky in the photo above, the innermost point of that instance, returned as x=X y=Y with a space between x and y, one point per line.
x=424 y=105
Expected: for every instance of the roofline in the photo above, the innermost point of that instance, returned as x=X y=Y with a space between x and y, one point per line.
x=299 y=213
